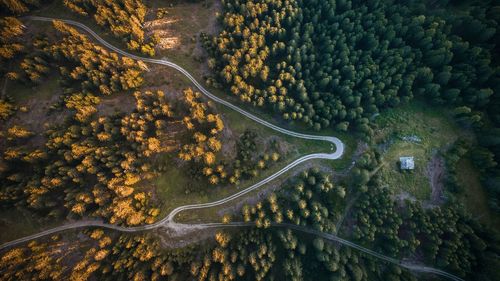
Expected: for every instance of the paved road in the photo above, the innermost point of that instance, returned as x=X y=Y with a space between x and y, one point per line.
x=168 y=221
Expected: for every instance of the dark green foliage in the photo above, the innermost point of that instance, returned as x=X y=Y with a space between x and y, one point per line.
x=377 y=220
x=246 y=146
x=252 y=158
x=329 y=63
x=446 y=236
x=486 y=157
x=452 y=156
x=361 y=173
x=310 y=202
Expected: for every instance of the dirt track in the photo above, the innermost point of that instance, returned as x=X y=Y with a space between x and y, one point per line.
x=435 y=173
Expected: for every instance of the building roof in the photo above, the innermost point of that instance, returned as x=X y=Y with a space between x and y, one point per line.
x=407 y=163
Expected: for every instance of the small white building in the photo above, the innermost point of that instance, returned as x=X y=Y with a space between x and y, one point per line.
x=407 y=163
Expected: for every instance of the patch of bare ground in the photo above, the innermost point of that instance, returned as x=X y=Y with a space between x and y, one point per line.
x=283 y=147
x=229 y=139
x=403 y=196
x=73 y=246
x=177 y=25
x=121 y=102
x=35 y=29
x=172 y=239
x=170 y=80
x=435 y=172
x=5 y=81
x=180 y=21
x=163 y=29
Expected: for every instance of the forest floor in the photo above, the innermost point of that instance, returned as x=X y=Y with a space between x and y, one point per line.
x=436 y=172
x=16 y=223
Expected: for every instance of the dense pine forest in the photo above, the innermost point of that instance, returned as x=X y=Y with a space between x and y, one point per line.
x=336 y=63
x=340 y=63
x=89 y=134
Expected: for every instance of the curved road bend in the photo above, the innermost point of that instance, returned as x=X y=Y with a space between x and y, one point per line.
x=331 y=156
x=168 y=221
x=337 y=142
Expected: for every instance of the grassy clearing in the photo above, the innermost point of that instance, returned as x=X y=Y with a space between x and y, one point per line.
x=432 y=125
x=179 y=29
x=415 y=182
x=474 y=196
x=23 y=92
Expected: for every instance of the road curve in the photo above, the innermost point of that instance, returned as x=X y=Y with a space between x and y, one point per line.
x=168 y=220
x=337 y=142
x=331 y=156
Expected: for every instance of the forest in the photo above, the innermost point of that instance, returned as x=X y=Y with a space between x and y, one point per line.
x=327 y=67
x=445 y=236
x=110 y=151
x=337 y=64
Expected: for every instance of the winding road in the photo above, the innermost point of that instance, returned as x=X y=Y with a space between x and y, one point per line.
x=168 y=221
x=331 y=156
